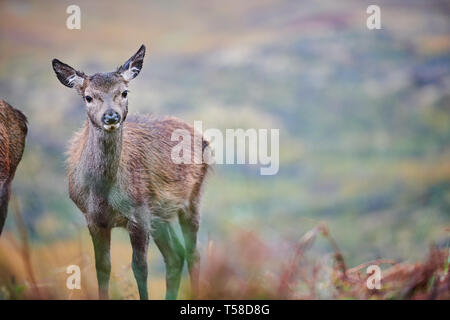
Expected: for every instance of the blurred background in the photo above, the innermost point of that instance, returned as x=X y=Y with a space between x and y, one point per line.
x=364 y=119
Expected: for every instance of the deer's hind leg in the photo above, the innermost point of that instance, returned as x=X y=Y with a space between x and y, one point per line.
x=4 y=199
x=173 y=253
x=190 y=222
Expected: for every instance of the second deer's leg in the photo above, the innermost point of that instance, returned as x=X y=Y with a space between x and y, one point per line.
x=101 y=238
x=139 y=241
x=4 y=198
x=189 y=222
x=173 y=253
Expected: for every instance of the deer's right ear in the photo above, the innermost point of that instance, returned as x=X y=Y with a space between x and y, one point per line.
x=67 y=75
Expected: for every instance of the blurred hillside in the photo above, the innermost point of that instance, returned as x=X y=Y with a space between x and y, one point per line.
x=364 y=116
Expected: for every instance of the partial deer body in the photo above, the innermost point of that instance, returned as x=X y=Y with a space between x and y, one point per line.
x=121 y=174
x=13 y=130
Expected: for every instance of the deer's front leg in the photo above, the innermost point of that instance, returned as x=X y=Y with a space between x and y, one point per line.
x=101 y=238
x=139 y=238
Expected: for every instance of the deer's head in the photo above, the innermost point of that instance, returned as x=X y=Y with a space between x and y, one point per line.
x=105 y=94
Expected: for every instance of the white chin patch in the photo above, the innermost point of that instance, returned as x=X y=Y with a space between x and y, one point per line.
x=111 y=127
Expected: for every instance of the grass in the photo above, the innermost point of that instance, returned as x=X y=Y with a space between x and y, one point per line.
x=244 y=267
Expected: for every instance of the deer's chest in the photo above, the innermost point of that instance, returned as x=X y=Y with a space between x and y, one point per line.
x=104 y=203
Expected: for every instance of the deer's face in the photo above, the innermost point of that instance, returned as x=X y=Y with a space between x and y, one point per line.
x=106 y=99
x=105 y=94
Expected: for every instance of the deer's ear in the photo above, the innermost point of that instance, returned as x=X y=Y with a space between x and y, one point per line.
x=130 y=69
x=67 y=75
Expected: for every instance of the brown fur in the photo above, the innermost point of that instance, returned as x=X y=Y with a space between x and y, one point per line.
x=13 y=130
x=148 y=174
x=122 y=175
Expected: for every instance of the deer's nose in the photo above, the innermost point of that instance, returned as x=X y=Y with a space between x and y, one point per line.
x=111 y=117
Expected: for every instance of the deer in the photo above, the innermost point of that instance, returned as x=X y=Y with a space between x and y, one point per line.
x=13 y=132
x=120 y=174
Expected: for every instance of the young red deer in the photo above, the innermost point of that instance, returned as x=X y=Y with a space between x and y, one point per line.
x=121 y=174
x=13 y=130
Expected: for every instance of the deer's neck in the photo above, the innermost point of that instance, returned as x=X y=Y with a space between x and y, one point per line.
x=102 y=156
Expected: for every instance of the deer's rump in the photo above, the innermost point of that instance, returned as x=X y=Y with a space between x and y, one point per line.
x=13 y=130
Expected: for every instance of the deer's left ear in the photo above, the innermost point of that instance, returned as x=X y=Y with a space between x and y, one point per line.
x=130 y=69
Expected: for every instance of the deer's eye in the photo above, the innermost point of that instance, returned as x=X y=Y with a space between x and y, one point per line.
x=125 y=93
x=88 y=99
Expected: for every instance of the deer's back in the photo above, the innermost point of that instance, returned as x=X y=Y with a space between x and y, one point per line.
x=13 y=130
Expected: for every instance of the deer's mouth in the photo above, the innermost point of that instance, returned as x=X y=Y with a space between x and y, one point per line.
x=111 y=127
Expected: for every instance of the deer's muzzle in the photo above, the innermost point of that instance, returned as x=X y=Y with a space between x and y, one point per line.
x=111 y=120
